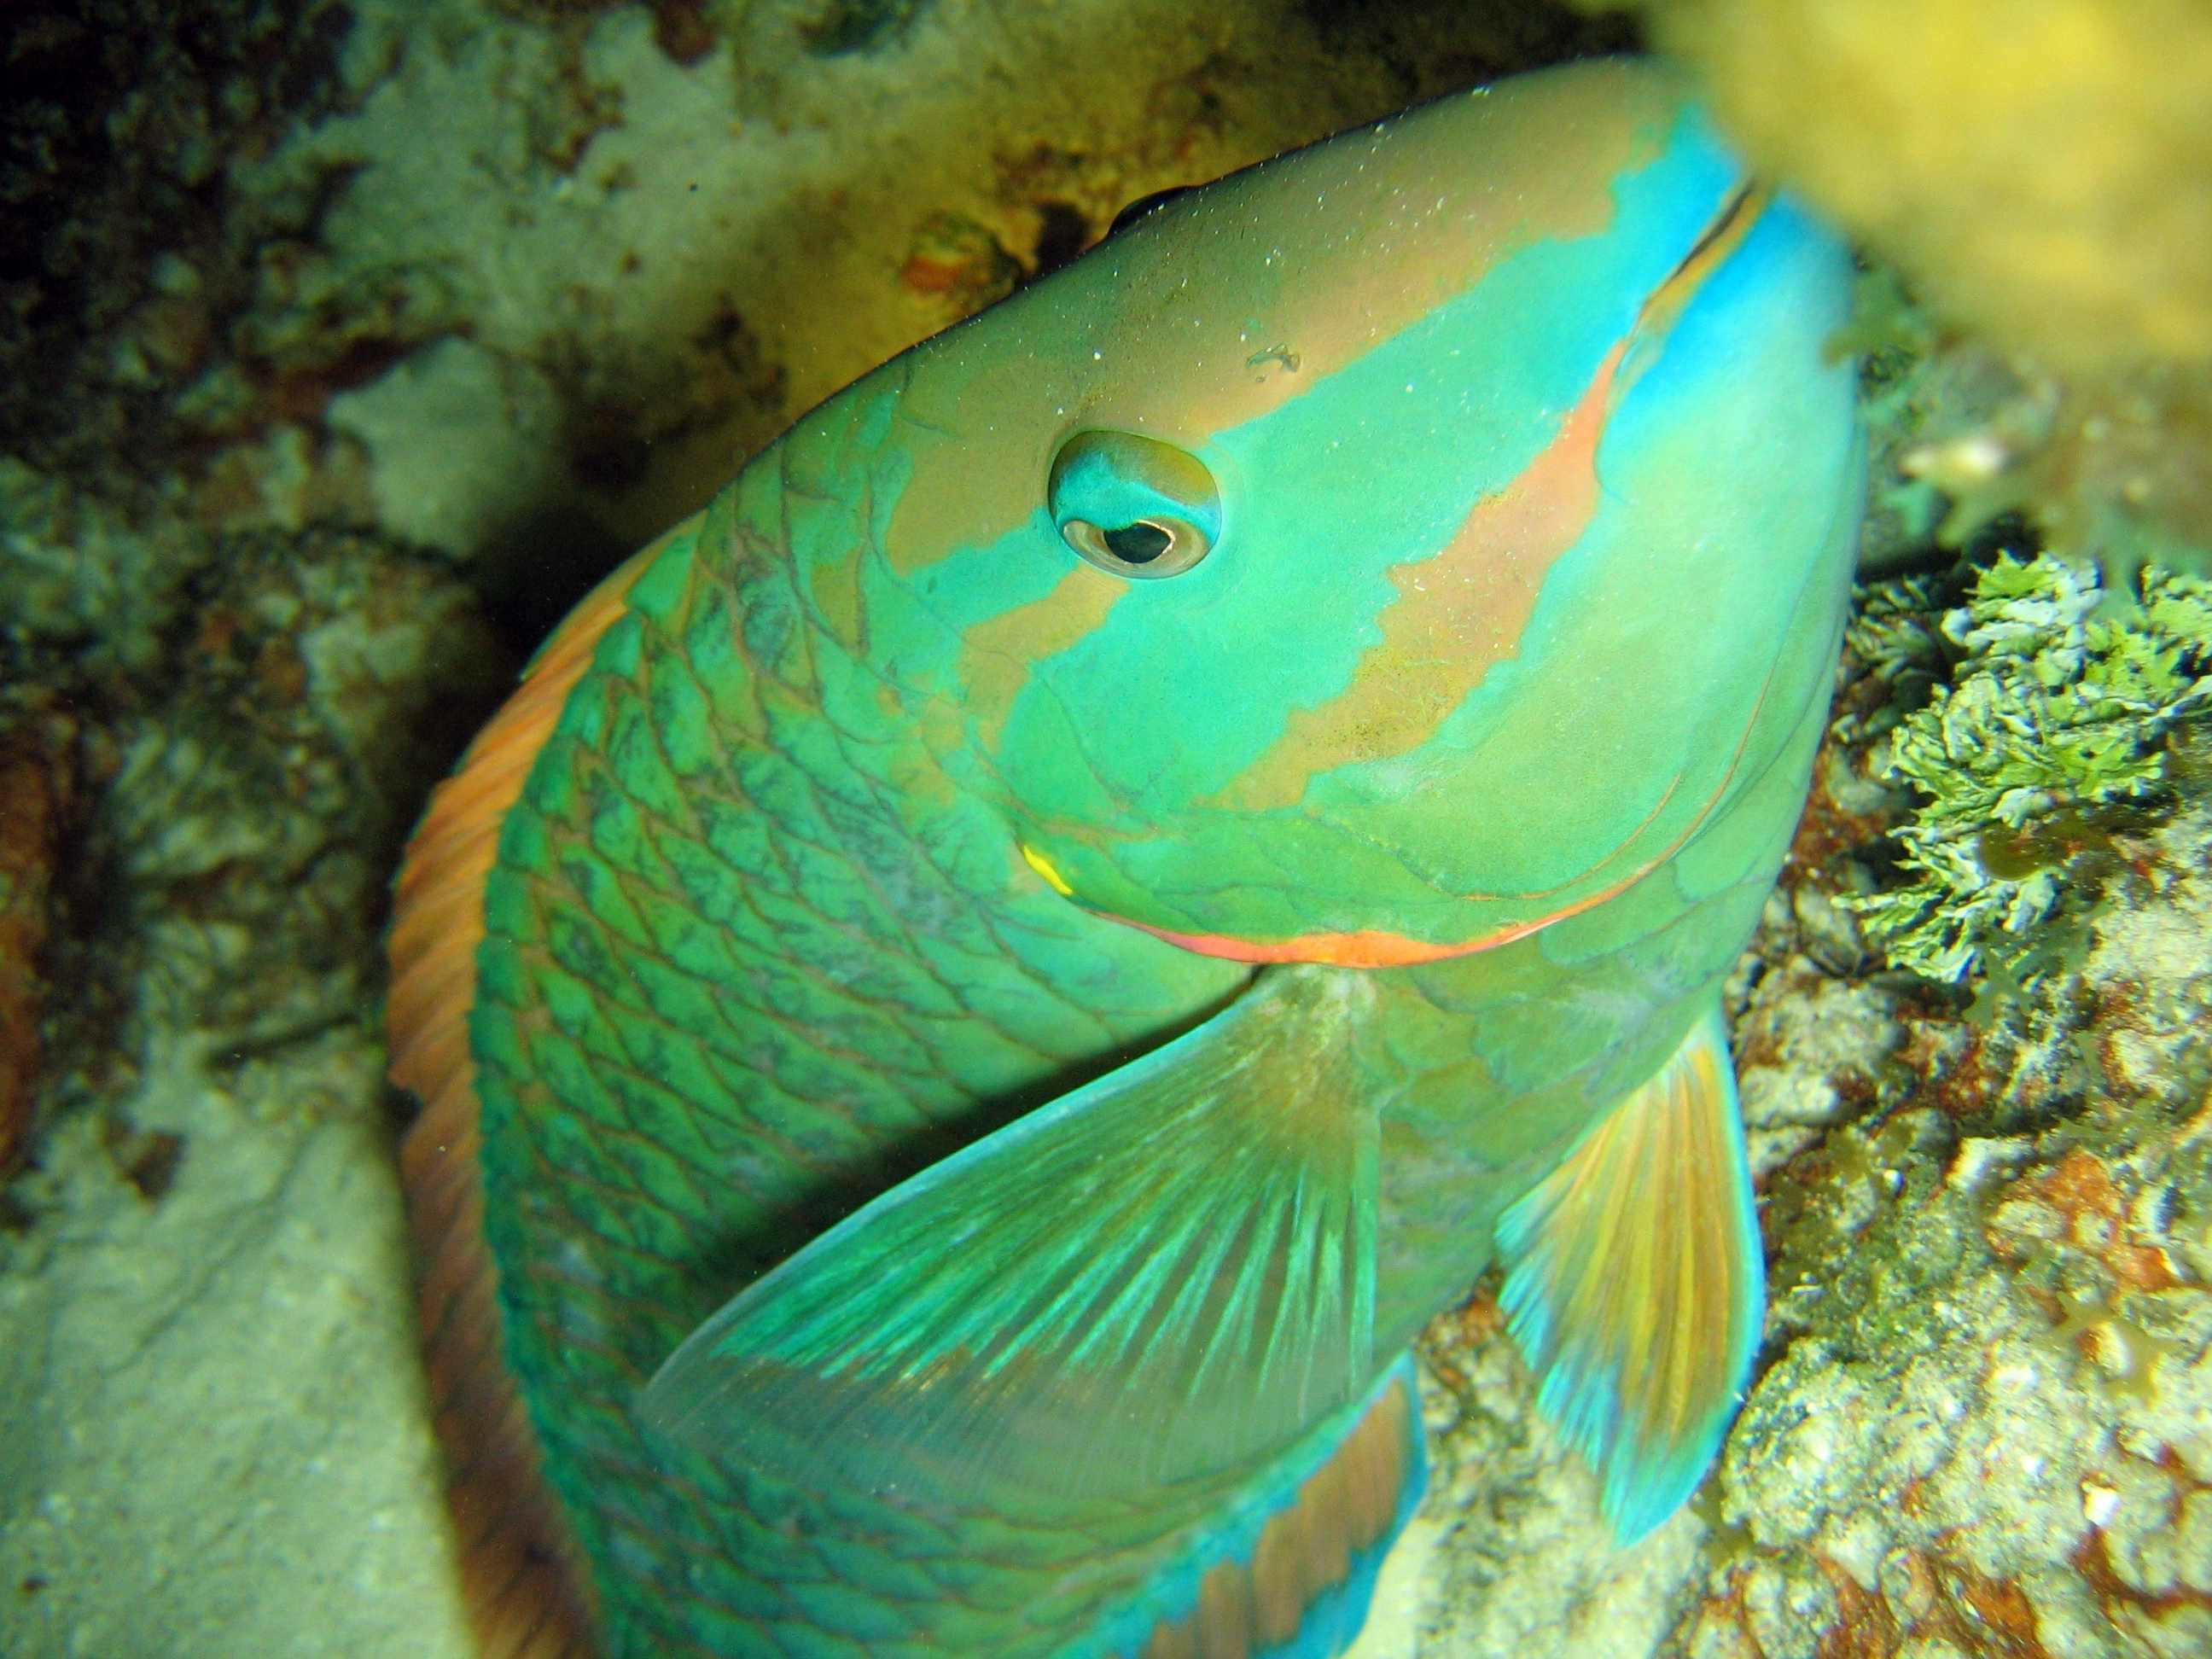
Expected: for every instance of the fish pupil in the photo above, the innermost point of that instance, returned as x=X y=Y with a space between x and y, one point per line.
x=1138 y=543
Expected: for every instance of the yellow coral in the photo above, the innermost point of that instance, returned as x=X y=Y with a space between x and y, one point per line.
x=2041 y=170
x=2043 y=166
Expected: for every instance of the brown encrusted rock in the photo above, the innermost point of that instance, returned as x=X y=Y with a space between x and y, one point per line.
x=37 y=783
x=1981 y=1426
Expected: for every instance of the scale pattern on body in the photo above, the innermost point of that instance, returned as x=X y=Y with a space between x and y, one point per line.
x=1006 y=968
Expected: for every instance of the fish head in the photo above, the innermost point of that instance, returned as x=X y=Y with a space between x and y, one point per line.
x=1382 y=551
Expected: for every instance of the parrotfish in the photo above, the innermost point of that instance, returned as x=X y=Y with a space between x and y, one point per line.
x=984 y=988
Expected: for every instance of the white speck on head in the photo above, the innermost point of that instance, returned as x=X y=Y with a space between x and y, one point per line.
x=2031 y=1464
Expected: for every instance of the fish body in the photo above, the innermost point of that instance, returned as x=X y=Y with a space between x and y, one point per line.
x=1006 y=968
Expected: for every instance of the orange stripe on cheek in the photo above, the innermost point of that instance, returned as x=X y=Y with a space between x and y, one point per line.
x=1367 y=948
x=1458 y=611
x=1370 y=947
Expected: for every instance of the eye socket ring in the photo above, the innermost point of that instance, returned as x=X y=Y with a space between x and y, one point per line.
x=1150 y=547
x=1132 y=505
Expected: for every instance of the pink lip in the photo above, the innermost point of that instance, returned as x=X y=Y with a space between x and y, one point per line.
x=1368 y=948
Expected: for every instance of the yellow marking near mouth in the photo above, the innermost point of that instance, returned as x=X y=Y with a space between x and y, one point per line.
x=1038 y=862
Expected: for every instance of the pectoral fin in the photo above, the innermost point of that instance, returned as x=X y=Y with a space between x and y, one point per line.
x=1161 y=1275
x=1635 y=1283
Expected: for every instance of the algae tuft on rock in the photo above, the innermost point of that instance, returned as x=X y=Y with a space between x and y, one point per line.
x=2054 y=715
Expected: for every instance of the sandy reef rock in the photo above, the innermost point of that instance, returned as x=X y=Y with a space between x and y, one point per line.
x=1982 y=1425
x=208 y=1368
x=216 y=1441
x=357 y=338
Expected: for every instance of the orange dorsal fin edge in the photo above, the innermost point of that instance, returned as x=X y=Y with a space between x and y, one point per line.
x=527 y=1592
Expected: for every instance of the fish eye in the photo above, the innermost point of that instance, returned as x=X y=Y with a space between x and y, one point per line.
x=1132 y=505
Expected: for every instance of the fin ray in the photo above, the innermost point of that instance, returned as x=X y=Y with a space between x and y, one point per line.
x=1164 y=1274
x=1635 y=1283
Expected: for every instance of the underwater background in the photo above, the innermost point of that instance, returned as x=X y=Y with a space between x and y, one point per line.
x=341 y=346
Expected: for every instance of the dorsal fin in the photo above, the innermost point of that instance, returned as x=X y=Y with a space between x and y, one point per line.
x=528 y=1592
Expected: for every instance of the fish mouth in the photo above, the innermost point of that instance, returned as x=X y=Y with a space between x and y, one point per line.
x=1365 y=947
x=1369 y=947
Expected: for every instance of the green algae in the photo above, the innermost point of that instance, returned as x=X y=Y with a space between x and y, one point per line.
x=2047 y=715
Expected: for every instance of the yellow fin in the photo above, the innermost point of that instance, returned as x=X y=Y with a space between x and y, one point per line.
x=1635 y=1283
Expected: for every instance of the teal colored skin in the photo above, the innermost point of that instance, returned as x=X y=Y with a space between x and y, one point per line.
x=843 y=854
